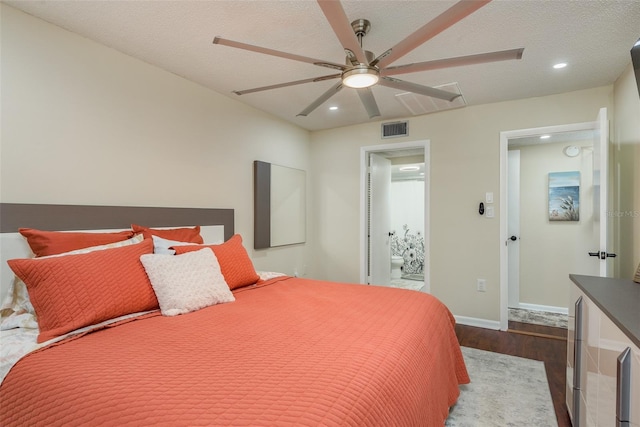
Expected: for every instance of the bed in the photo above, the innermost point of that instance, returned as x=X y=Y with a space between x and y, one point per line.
x=279 y=351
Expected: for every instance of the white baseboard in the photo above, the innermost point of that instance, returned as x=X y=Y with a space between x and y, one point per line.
x=547 y=308
x=480 y=323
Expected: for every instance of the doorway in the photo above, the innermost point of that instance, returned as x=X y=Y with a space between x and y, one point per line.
x=394 y=215
x=544 y=243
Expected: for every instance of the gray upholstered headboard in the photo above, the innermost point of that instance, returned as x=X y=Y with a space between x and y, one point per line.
x=82 y=217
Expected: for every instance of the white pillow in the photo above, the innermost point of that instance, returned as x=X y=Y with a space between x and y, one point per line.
x=186 y=282
x=16 y=310
x=161 y=246
x=267 y=275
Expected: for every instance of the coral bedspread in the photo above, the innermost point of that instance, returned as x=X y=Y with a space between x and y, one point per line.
x=288 y=352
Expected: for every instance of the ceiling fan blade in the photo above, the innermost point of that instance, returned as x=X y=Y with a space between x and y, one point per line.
x=315 y=104
x=369 y=102
x=338 y=20
x=432 y=28
x=480 y=58
x=293 y=83
x=272 y=52
x=419 y=89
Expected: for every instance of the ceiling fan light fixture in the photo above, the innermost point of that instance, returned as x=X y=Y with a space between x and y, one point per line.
x=360 y=77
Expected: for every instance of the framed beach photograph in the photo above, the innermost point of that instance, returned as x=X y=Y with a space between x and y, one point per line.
x=564 y=196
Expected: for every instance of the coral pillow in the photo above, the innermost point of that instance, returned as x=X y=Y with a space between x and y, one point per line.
x=190 y=235
x=44 y=243
x=17 y=306
x=187 y=282
x=234 y=260
x=73 y=291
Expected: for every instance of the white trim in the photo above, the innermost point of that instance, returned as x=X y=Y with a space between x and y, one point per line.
x=546 y=308
x=504 y=267
x=478 y=323
x=427 y=216
x=398 y=146
x=573 y=127
x=504 y=147
x=364 y=170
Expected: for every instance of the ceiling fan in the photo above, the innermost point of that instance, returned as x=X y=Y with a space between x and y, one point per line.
x=362 y=69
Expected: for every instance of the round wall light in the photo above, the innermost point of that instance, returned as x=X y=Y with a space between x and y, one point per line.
x=571 y=150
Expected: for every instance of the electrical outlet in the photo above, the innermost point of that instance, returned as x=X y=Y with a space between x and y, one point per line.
x=300 y=272
x=482 y=285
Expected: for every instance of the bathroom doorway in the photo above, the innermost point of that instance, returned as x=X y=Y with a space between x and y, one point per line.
x=550 y=216
x=540 y=168
x=394 y=215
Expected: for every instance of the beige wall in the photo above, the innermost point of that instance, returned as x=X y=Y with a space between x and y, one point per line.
x=626 y=151
x=85 y=124
x=464 y=165
x=559 y=246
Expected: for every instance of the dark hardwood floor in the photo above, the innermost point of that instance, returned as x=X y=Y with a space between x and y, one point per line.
x=542 y=343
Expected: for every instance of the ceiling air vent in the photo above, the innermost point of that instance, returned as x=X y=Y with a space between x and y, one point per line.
x=394 y=129
x=418 y=104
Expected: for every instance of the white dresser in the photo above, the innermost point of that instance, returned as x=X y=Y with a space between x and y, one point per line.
x=603 y=352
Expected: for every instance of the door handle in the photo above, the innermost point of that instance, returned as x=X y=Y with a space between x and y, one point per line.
x=623 y=387
x=602 y=255
x=512 y=238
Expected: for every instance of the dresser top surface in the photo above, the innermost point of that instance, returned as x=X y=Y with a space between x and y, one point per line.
x=619 y=299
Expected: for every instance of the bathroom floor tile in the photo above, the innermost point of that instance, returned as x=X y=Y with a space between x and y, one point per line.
x=407 y=284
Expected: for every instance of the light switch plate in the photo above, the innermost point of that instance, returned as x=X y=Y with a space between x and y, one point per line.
x=489 y=197
x=490 y=212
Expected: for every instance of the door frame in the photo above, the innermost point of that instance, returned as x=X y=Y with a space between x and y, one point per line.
x=364 y=245
x=504 y=148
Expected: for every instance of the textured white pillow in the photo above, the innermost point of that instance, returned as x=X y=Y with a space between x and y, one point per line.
x=186 y=282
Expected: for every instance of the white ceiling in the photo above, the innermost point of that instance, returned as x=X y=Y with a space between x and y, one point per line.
x=593 y=37
x=401 y=173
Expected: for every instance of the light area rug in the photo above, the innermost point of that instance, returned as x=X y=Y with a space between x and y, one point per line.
x=504 y=391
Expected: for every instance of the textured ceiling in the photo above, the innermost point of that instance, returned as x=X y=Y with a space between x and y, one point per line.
x=593 y=37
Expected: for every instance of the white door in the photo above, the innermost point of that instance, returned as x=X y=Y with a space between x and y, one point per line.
x=600 y=194
x=513 y=227
x=379 y=220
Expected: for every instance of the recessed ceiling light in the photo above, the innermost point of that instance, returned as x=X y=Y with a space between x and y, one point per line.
x=333 y=108
x=409 y=168
x=560 y=65
x=545 y=137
